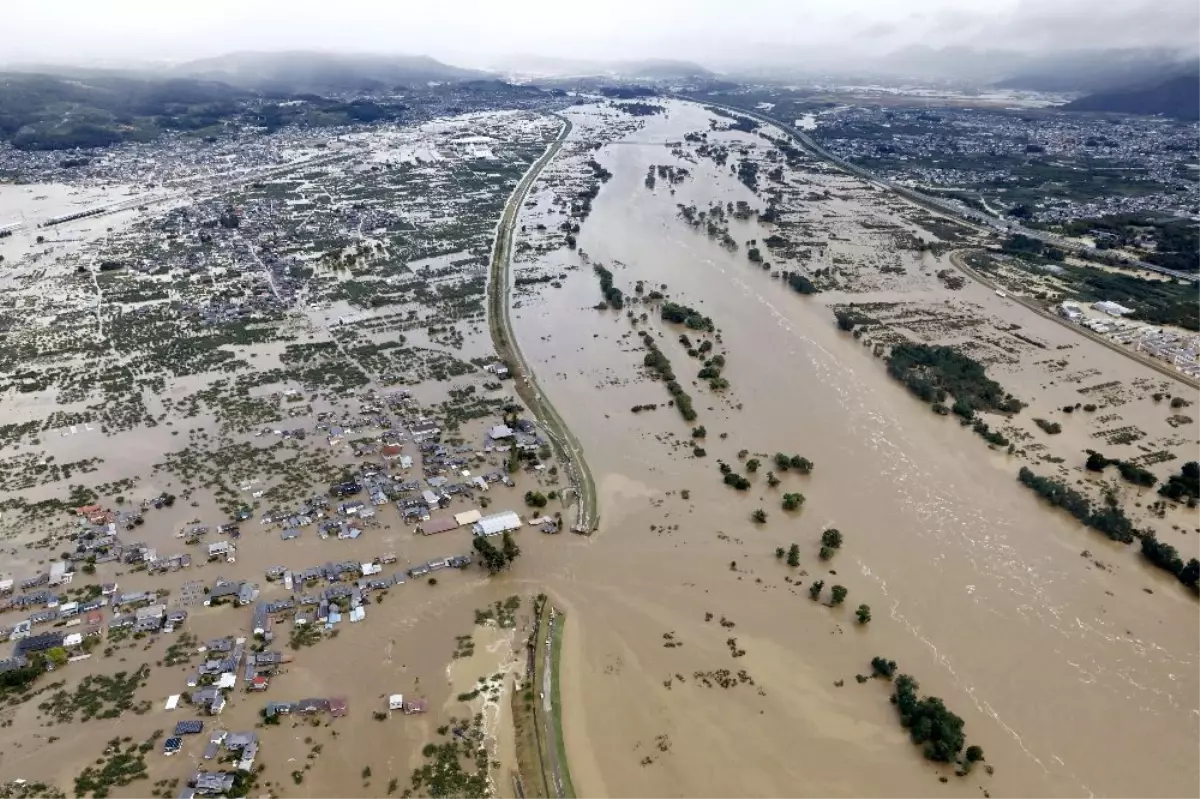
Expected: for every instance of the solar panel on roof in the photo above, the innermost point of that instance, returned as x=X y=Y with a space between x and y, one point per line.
x=189 y=727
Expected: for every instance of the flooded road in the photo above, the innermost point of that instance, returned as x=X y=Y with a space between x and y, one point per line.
x=1075 y=681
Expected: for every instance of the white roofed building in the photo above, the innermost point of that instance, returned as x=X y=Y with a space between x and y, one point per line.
x=497 y=523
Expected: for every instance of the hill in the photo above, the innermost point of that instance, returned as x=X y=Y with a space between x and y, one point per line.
x=1090 y=70
x=1096 y=70
x=50 y=112
x=1177 y=97
x=301 y=71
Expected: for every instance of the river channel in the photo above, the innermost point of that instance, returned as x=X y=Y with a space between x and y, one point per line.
x=1074 y=680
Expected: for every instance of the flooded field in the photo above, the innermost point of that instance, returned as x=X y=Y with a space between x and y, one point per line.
x=184 y=385
x=976 y=588
x=189 y=385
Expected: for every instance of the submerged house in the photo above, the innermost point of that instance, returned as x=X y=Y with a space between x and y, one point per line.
x=497 y=523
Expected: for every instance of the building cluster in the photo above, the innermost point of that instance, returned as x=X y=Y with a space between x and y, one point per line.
x=964 y=148
x=1181 y=350
x=240 y=747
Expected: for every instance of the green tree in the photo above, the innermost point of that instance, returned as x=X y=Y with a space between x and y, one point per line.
x=831 y=538
x=863 y=613
x=826 y=553
x=974 y=754
x=802 y=465
x=779 y=553
x=882 y=667
x=793 y=556
x=772 y=480
x=814 y=590
x=792 y=501
x=759 y=516
x=838 y=595
x=929 y=722
x=493 y=559
x=752 y=465
x=510 y=549
x=57 y=656
x=782 y=462
x=699 y=432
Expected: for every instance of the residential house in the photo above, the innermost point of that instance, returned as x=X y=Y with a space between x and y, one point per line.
x=262 y=620
x=59 y=573
x=236 y=741
x=222 y=591
x=212 y=783
x=247 y=593
x=221 y=549
x=38 y=643
x=314 y=705
x=151 y=624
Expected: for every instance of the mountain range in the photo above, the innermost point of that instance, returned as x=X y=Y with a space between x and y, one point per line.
x=310 y=72
x=1177 y=97
x=1060 y=71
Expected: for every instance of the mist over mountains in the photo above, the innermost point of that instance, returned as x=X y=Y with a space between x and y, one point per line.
x=1067 y=71
x=53 y=107
x=306 y=71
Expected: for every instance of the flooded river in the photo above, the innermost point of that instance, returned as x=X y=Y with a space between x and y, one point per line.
x=1075 y=681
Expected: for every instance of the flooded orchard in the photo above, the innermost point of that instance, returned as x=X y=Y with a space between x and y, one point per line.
x=696 y=662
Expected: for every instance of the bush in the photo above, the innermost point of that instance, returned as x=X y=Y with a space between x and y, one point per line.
x=933 y=372
x=882 y=667
x=1050 y=428
x=737 y=481
x=792 y=501
x=1183 y=486
x=1110 y=519
x=929 y=722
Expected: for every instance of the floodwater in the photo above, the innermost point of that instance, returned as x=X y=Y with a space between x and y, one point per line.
x=1076 y=681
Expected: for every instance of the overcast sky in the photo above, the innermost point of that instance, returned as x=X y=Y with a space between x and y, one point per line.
x=470 y=31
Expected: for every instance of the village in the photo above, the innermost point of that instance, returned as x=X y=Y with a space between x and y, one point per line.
x=290 y=414
x=52 y=619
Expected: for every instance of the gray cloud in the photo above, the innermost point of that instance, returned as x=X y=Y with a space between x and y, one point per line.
x=470 y=31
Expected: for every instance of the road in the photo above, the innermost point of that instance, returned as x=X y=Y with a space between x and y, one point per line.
x=568 y=449
x=934 y=204
x=548 y=710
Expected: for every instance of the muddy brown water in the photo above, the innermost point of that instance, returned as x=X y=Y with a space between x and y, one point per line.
x=1075 y=681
